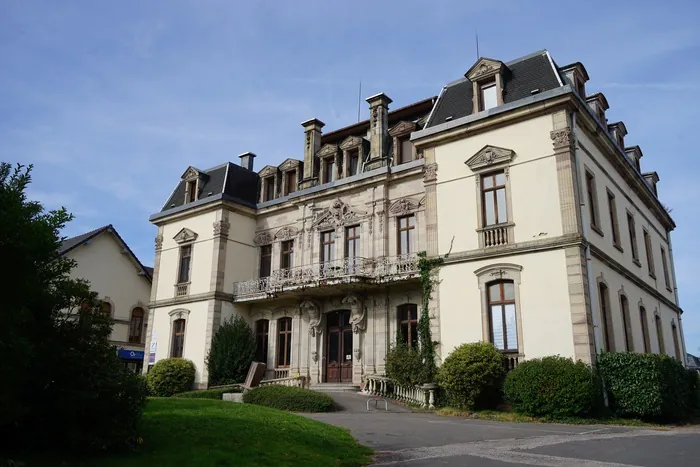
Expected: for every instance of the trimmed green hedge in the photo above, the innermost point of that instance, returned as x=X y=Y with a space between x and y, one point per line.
x=289 y=398
x=472 y=375
x=170 y=376
x=650 y=386
x=208 y=393
x=552 y=387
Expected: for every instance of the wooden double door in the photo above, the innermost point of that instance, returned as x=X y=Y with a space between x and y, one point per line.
x=338 y=347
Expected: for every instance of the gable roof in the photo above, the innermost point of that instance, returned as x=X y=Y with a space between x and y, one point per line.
x=520 y=77
x=73 y=242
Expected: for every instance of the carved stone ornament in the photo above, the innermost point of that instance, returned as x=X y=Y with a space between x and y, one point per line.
x=185 y=236
x=192 y=173
x=267 y=171
x=484 y=67
x=159 y=242
x=314 y=356
x=489 y=156
x=357 y=313
x=327 y=150
x=263 y=238
x=403 y=206
x=561 y=139
x=358 y=353
x=337 y=214
x=314 y=312
x=430 y=172
x=289 y=164
x=402 y=128
x=221 y=228
x=380 y=216
x=350 y=142
x=286 y=233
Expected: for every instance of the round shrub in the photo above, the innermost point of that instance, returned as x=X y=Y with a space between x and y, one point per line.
x=170 y=376
x=290 y=398
x=471 y=376
x=552 y=387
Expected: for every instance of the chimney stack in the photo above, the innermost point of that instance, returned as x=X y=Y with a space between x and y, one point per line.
x=247 y=160
x=312 y=143
x=379 y=129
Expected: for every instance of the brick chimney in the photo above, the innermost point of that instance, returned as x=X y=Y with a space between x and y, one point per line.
x=247 y=160
x=379 y=129
x=312 y=143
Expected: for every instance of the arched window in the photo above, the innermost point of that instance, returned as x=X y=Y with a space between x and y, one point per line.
x=106 y=308
x=606 y=318
x=502 y=315
x=660 y=334
x=645 y=328
x=284 y=342
x=625 y=310
x=408 y=324
x=136 y=325
x=262 y=328
x=178 y=344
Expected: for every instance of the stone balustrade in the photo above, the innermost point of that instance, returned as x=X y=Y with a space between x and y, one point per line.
x=495 y=236
x=292 y=381
x=423 y=396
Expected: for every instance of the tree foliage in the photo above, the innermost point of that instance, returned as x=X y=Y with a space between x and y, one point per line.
x=232 y=351
x=64 y=386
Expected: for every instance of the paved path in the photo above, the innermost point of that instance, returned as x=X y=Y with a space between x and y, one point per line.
x=402 y=437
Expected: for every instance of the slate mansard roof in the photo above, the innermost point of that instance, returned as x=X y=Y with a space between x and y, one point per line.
x=522 y=76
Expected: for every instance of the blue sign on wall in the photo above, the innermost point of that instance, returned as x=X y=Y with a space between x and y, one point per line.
x=131 y=354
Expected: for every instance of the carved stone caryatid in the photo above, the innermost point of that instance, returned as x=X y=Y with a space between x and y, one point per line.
x=562 y=138
x=286 y=233
x=159 y=242
x=221 y=228
x=430 y=172
x=358 y=313
x=314 y=312
x=263 y=238
x=403 y=206
x=337 y=214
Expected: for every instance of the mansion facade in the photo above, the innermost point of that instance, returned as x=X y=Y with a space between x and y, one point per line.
x=557 y=241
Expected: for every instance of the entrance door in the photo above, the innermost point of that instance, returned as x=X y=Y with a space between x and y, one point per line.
x=339 y=347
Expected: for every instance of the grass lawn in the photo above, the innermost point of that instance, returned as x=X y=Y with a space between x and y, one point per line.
x=200 y=432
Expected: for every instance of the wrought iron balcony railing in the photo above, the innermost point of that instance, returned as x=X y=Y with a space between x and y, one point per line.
x=381 y=269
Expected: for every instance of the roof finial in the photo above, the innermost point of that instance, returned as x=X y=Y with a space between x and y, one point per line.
x=477 y=45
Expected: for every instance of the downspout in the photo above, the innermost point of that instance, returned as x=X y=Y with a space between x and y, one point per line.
x=586 y=225
x=675 y=295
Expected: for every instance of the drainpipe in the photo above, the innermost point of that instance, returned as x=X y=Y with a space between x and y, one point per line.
x=586 y=225
x=672 y=265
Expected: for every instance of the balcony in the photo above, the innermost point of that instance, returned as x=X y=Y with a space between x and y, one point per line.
x=344 y=270
x=496 y=235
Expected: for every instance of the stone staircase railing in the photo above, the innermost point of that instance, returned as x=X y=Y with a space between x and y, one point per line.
x=423 y=396
x=294 y=381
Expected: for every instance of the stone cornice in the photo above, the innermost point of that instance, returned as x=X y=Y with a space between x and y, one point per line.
x=190 y=299
x=515 y=249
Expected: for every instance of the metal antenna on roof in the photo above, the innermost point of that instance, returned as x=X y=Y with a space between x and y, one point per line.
x=477 y=45
x=359 y=99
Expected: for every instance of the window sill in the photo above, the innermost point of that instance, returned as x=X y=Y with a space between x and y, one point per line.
x=619 y=247
x=637 y=262
x=669 y=289
x=652 y=275
x=597 y=230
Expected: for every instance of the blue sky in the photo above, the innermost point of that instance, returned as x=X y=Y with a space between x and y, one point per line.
x=111 y=101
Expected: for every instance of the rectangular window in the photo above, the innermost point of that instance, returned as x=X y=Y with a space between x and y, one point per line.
x=501 y=300
x=191 y=194
x=592 y=200
x=493 y=199
x=612 y=208
x=649 y=252
x=269 y=189
x=633 y=236
x=408 y=324
x=329 y=171
x=664 y=263
x=178 y=338
x=407 y=226
x=262 y=328
x=265 y=260
x=183 y=275
x=290 y=181
x=353 y=162
x=489 y=98
x=660 y=334
x=284 y=342
x=405 y=150
x=645 y=329
x=136 y=325
x=607 y=326
x=352 y=247
x=327 y=246
x=287 y=255
x=676 y=345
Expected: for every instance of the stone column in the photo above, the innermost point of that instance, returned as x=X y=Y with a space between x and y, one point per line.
x=312 y=143
x=564 y=145
x=154 y=294
x=304 y=345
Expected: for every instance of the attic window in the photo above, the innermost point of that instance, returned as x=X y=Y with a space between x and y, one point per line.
x=488 y=96
x=191 y=191
x=269 y=188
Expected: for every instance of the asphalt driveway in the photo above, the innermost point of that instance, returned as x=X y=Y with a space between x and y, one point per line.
x=402 y=437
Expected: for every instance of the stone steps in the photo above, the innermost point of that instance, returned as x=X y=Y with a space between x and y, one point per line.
x=335 y=387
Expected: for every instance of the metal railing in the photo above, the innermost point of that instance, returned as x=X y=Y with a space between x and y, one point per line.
x=380 y=269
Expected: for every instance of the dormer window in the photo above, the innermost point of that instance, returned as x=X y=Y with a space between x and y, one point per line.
x=290 y=179
x=486 y=76
x=269 y=189
x=328 y=170
x=577 y=76
x=330 y=158
x=353 y=162
x=194 y=180
x=191 y=193
x=401 y=137
x=488 y=96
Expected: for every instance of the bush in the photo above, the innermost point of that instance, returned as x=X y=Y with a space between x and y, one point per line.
x=648 y=386
x=232 y=351
x=289 y=398
x=403 y=365
x=170 y=376
x=471 y=376
x=208 y=393
x=552 y=387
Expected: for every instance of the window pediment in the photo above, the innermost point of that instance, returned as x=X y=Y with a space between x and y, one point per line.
x=185 y=236
x=286 y=233
x=327 y=150
x=488 y=157
x=289 y=164
x=338 y=213
x=192 y=173
x=484 y=68
x=402 y=128
x=351 y=142
x=267 y=171
x=403 y=206
x=263 y=238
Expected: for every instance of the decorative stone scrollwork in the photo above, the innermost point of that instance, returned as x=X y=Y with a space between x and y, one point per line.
x=314 y=356
x=221 y=228
x=380 y=216
x=488 y=156
x=403 y=206
x=185 y=235
x=430 y=172
x=159 y=242
x=314 y=312
x=286 y=233
x=337 y=214
x=562 y=139
x=358 y=313
x=263 y=238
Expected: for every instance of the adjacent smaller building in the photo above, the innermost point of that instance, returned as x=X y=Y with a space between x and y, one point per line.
x=121 y=282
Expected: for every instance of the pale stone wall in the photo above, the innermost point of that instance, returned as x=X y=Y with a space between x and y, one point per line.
x=115 y=277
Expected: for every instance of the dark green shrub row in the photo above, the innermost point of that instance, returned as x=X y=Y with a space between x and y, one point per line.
x=552 y=387
x=649 y=386
x=208 y=393
x=471 y=376
x=170 y=376
x=290 y=398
